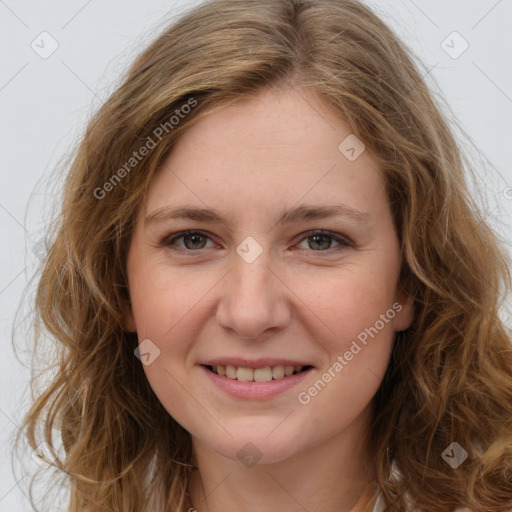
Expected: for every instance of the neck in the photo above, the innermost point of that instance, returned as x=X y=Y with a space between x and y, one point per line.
x=335 y=475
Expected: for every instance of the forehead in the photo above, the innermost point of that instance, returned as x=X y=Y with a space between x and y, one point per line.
x=279 y=146
x=285 y=124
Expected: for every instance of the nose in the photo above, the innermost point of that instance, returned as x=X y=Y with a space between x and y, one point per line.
x=255 y=302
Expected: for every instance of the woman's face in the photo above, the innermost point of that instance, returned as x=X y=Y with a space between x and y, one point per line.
x=257 y=288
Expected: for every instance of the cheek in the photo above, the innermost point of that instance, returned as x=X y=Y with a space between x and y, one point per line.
x=167 y=307
x=164 y=299
x=350 y=302
x=170 y=308
x=354 y=320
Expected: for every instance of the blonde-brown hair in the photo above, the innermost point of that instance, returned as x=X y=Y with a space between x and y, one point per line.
x=450 y=375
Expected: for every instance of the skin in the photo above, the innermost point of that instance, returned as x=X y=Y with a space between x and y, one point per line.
x=303 y=298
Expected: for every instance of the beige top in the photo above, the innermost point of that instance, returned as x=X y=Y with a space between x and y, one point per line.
x=368 y=499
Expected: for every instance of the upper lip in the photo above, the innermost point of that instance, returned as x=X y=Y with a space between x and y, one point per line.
x=253 y=363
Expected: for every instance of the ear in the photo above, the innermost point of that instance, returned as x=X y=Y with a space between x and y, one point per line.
x=404 y=316
x=128 y=318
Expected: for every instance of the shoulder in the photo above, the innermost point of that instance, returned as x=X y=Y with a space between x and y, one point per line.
x=379 y=505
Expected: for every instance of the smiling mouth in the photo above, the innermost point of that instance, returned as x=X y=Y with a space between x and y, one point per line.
x=265 y=374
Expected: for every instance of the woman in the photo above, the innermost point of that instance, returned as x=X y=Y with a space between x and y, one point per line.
x=269 y=287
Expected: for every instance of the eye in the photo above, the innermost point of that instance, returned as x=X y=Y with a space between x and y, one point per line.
x=320 y=240
x=192 y=240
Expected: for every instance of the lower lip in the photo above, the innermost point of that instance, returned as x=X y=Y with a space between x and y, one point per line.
x=240 y=389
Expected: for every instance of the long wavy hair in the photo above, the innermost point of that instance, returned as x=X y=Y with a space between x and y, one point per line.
x=450 y=375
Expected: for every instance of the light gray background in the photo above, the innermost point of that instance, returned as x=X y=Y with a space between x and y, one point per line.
x=45 y=104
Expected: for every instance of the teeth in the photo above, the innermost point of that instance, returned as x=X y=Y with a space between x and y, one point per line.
x=230 y=372
x=265 y=374
x=278 y=372
x=244 y=374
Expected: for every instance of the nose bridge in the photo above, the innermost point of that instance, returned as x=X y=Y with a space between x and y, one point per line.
x=253 y=280
x=254 y=299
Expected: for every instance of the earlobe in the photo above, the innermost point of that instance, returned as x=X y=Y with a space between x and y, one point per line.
x=404 y=318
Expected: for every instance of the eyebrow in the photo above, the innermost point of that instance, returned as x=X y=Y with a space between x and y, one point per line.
x=294 y=215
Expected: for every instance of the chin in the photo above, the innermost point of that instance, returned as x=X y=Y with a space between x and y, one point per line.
x=250 y=449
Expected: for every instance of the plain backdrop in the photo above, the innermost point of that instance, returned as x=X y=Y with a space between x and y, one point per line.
x=45 y=102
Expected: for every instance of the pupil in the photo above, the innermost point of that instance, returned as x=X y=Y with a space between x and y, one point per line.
x=321 y=237
x=194 y=239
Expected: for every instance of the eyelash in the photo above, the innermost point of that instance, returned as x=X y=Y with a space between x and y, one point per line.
x=343 y=241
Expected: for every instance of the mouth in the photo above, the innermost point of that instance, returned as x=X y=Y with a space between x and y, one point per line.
x=263 y=374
